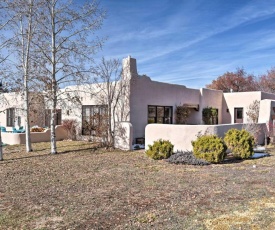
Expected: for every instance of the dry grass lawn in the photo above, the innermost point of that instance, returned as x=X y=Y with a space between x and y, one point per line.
x=87 y=188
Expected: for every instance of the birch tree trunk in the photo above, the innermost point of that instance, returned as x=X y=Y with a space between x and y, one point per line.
x=110 y=136
x=53 y=136
x=53 y=78
x=27 y=122
x=26 y=61
x=66 y=46
x=1 y=150
x=22 y=19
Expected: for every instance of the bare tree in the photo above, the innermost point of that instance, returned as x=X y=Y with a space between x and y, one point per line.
x=253 y=111
x=66 y=46
x=267 y=81
x=113 y=91
x=20 y=22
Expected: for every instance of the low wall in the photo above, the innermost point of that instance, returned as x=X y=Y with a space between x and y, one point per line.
x=20 y=138
x=124 y=136
x=182 y=135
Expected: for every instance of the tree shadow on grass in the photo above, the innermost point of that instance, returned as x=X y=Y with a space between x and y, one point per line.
x=93 y=150
x=233 y=160
x=69 y=146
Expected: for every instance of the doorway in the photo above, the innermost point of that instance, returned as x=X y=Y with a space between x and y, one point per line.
x=238 y=115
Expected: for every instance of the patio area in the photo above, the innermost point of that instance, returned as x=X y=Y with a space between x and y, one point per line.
x=11 y=138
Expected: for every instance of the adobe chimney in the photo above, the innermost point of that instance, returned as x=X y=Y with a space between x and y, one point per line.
x=130 y=65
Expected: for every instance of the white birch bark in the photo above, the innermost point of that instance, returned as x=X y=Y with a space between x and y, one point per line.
x=66 y=46
x=53 y=73
x=22 y=19
x=26 y=65
x=1 y=149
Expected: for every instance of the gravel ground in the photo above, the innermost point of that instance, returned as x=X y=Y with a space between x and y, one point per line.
x=186 y=158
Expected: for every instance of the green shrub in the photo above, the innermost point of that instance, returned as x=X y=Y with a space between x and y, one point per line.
x=240 y=142
x=161 y=149
x=210 y=148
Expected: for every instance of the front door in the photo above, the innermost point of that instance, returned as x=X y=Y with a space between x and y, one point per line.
x=238 y=115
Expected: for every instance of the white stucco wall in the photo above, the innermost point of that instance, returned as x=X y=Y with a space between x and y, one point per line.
x=181 y=136
x=124 y=136
x=144 y=92
x=10 y=100
x=243 y=100
x=15 y=100
x=211 y=98
x=93 y=94
x=266 y=110
x=20 y=138
x=239 y=100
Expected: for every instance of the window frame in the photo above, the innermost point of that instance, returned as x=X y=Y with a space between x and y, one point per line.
x=58 y=117
x=156 y=118
x=92 y=110
x=238 y=110
x=10 y=117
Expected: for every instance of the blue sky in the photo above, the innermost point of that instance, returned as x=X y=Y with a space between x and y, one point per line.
x=191 y=42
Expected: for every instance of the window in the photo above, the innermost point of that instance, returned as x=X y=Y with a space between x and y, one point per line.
x=10 y=117
x=94 y=119
x=239 y=113
x=58 y=116
x=160 y=114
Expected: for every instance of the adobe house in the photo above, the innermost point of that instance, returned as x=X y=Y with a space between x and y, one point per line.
x=155 y=102
x=148 y=102
x=12 y=111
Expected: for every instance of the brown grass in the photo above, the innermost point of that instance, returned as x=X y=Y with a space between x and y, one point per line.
x=87 y=188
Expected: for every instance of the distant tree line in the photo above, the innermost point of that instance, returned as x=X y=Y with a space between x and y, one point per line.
x=241 y=81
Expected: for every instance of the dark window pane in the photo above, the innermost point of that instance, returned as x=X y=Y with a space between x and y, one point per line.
x=160 y=112
x=160 y=120
x=167 y=120
x=240 y=113
x=151 y=111
x=86 y=111
x=58 y=117
x=167 y=112
x=10 y=117
x=94 y=117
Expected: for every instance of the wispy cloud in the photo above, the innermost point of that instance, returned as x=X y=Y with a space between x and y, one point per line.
x=191 y=39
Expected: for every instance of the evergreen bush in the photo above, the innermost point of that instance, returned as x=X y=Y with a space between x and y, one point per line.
x=210 y=116
x=210 y=148
x=182 y=114
x=240 y=142
x=161 y=149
